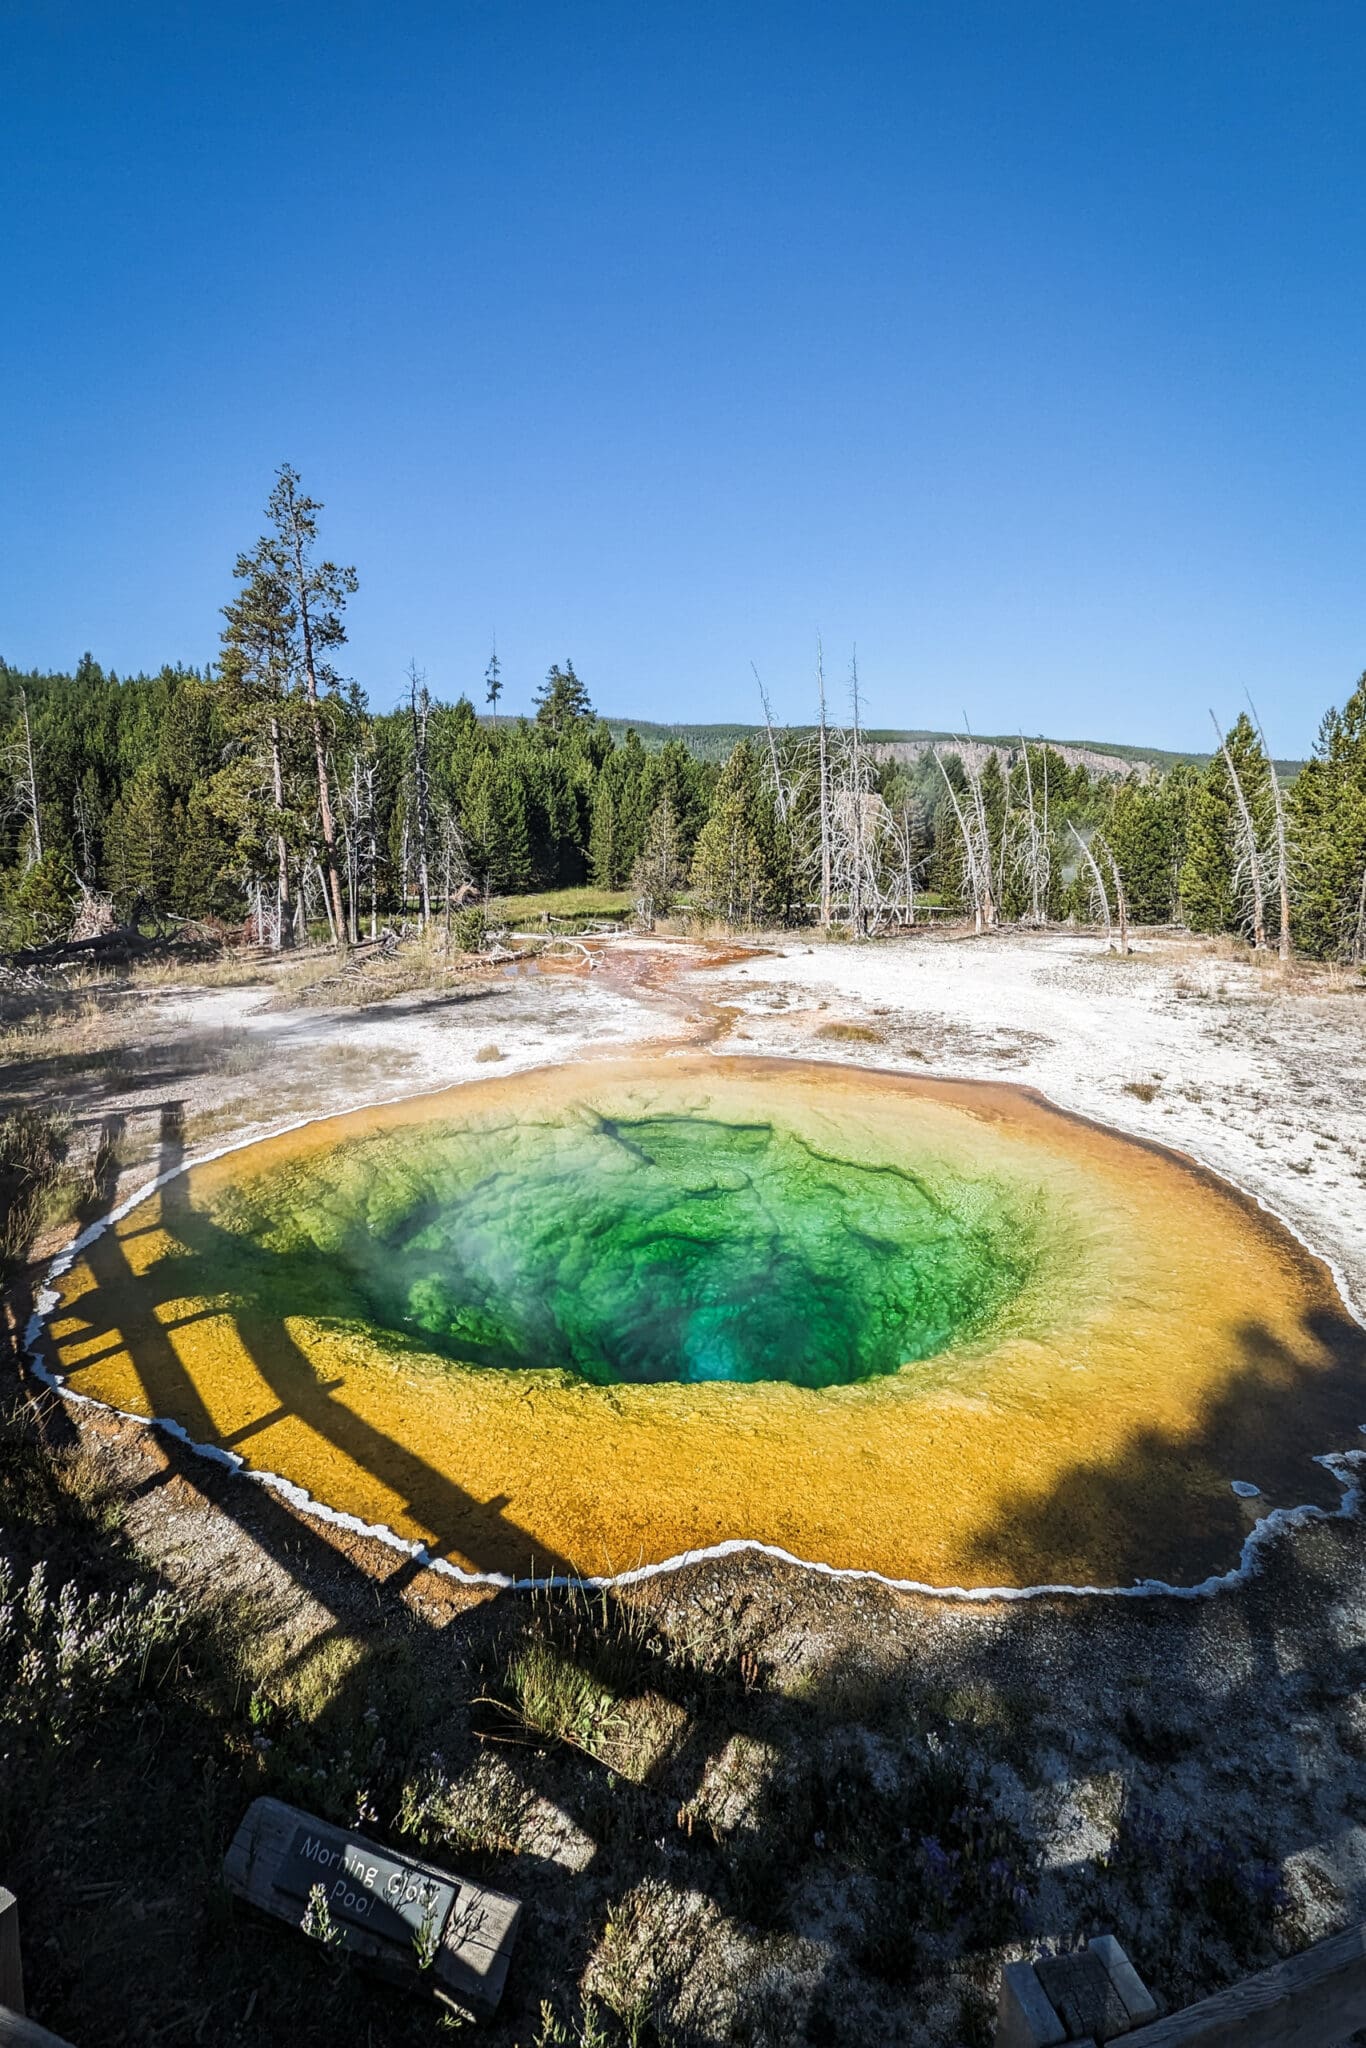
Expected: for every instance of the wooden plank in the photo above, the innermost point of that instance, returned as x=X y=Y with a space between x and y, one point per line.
x=18 y=2032
x=1314 y=2000
x=11 y=1962
x=469 y=1932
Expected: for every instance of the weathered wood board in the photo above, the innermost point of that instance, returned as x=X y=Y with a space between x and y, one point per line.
x=1313 y=2000
x=419 y=1925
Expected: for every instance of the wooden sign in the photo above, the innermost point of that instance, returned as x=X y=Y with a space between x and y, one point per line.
x=414 y=1923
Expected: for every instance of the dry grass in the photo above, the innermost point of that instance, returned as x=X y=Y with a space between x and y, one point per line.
x=419 y=966
x=46 y=1176
x=851 y=1034
x=569 y=906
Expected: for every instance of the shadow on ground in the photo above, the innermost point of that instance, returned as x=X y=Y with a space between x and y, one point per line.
x=743 y=1806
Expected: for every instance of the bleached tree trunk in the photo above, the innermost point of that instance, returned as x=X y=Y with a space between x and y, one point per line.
x=403 y=866
x=353 y=821
x=1099 y=881
x=1282 y=846
x=374 y=851
x=455 y=865
x=974 y=781
x=324 y=880
x=1034 y=843
x=969 y=852
x=826 y=906
x=1121 y=900
x=904 y=838
x=857 y=908
x=421 y=707
x=1251 y=852
x=284 y=922
x=1003 y=853
x=1047 y=842
x=310 y=670
x=81 y=818
x=34 y=812
x=779 y=791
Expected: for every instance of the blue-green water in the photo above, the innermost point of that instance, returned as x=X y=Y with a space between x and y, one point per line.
x=663 y=1247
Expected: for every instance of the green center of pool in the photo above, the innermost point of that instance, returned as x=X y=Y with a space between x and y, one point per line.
x=666 y=1247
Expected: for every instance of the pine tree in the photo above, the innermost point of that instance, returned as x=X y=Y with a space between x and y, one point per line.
x=604 y=845
x=255 y=678
x=1214 y=876
x=514 y=869
x=310 y=598
x=673 y=772
x=659 y=872
x=37 y=902
x=481 y=824
x=562 y=700
x=493 y=684
x=143 y=847
x=728 y=870
x=1327 y=822
x=1138 y=828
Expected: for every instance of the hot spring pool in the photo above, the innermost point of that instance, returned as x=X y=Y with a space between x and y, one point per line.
x=594 y=1318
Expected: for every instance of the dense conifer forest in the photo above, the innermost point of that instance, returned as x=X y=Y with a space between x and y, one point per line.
x=262 y=796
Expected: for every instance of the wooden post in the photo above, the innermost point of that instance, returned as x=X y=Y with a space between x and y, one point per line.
x=11 y=1963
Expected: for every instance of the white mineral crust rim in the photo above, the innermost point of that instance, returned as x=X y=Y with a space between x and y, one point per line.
x=1344 y=1465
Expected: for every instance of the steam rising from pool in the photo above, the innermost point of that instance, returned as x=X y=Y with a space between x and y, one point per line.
x=596 y=1319
x=643 y=1249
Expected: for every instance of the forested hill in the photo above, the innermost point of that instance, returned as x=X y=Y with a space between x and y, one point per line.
x=264 y=795
x=1102 y=757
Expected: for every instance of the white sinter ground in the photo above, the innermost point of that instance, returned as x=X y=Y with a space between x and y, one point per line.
x=1267 y=1087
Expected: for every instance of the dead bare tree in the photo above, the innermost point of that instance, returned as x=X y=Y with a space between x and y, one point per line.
x=973 y=771
x=1121 y=900
x=971 y=860
x=907 y=865
x=1250 y=856
x=420 y=705
x=779 y=789
x=1097 y=882
x=856 y=821
x=317 y=594
x=1037 y=859
x=357 y=808
x=20 y=796
x=455 y=869
x=33 y=806
x=1282 y=841
x=372 y=817
x=824 y=767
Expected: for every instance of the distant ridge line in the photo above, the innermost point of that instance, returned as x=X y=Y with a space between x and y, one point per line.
x=714 y=743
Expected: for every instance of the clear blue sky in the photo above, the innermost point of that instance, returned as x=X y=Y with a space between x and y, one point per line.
x=1022 y=343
